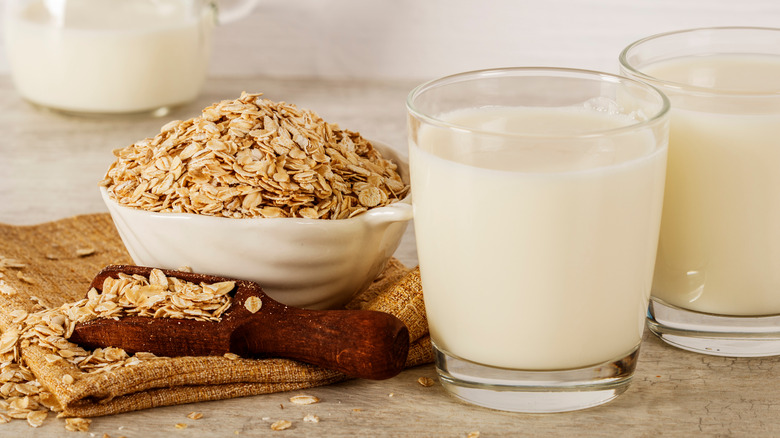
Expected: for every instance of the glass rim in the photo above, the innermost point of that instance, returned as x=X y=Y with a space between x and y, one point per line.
x=551 y=72
x=682 y=86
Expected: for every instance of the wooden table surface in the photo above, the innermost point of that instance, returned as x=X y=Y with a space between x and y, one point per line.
x=50 y=165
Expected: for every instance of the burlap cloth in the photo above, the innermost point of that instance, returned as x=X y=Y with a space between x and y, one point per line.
x=55 y=261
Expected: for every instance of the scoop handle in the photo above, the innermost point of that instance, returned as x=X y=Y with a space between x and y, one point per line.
x=359 y=343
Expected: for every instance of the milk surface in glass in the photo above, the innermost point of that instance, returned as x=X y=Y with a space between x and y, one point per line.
x=719 y=249
x=536 y=256
x=108 y=56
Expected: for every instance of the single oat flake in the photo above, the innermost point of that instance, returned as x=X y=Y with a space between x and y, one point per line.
x=311 y=418
x=77 y=424
x=252 y=157
x=36 y=418
x=84 y=252
x=7 y=289
x=253 y=304
x=304 y=400
x=281 y=425
x=7 y=262
x=25 y=278
x=425 y=381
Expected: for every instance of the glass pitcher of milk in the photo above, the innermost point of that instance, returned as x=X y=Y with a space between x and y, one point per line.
x=112 y=56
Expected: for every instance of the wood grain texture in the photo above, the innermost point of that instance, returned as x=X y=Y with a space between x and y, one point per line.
x=49 y=168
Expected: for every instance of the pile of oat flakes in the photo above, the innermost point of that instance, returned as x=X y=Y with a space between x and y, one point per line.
x=252 y=157
x=23 y=397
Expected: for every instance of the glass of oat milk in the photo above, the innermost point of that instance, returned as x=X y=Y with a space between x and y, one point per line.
x=110 y=56
x=537 y=198
x=717 y=280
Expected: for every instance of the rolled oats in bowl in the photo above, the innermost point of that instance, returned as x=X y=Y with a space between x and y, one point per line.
x=262 y=191
x=252 y=157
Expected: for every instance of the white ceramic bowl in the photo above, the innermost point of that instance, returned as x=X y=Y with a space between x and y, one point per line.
x=312 y=263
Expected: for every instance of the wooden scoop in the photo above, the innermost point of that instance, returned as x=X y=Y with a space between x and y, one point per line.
x=359 y=343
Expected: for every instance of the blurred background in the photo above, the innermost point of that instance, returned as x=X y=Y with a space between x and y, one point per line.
x=423 y=39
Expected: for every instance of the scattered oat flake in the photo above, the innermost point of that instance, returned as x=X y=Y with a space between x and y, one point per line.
x=67 y=379
x=8 y=340
x=304 y=400
x=311 y=418
x=36 y=418
x=195 y=415
x=474 y=434
x=6 y=262
x=26 y=278
x=231 y=356
x=281 y=425
x=83 y=252
x=77 y=424
x=253 y=304
x=18 y=315
x=180 y=425
x=425 y=381
x=52 y=358
x=7 y=289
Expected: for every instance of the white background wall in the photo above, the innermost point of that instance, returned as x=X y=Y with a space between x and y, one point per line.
x=422 y=39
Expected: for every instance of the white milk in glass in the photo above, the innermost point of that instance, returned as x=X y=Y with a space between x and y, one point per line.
x=101 y=56
x=719 y=249
x=536 y=256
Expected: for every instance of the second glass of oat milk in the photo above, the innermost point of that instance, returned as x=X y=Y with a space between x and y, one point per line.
x=717 y=279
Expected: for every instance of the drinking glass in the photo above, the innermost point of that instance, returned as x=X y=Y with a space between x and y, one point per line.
x=717 y=279
x=537 y=198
